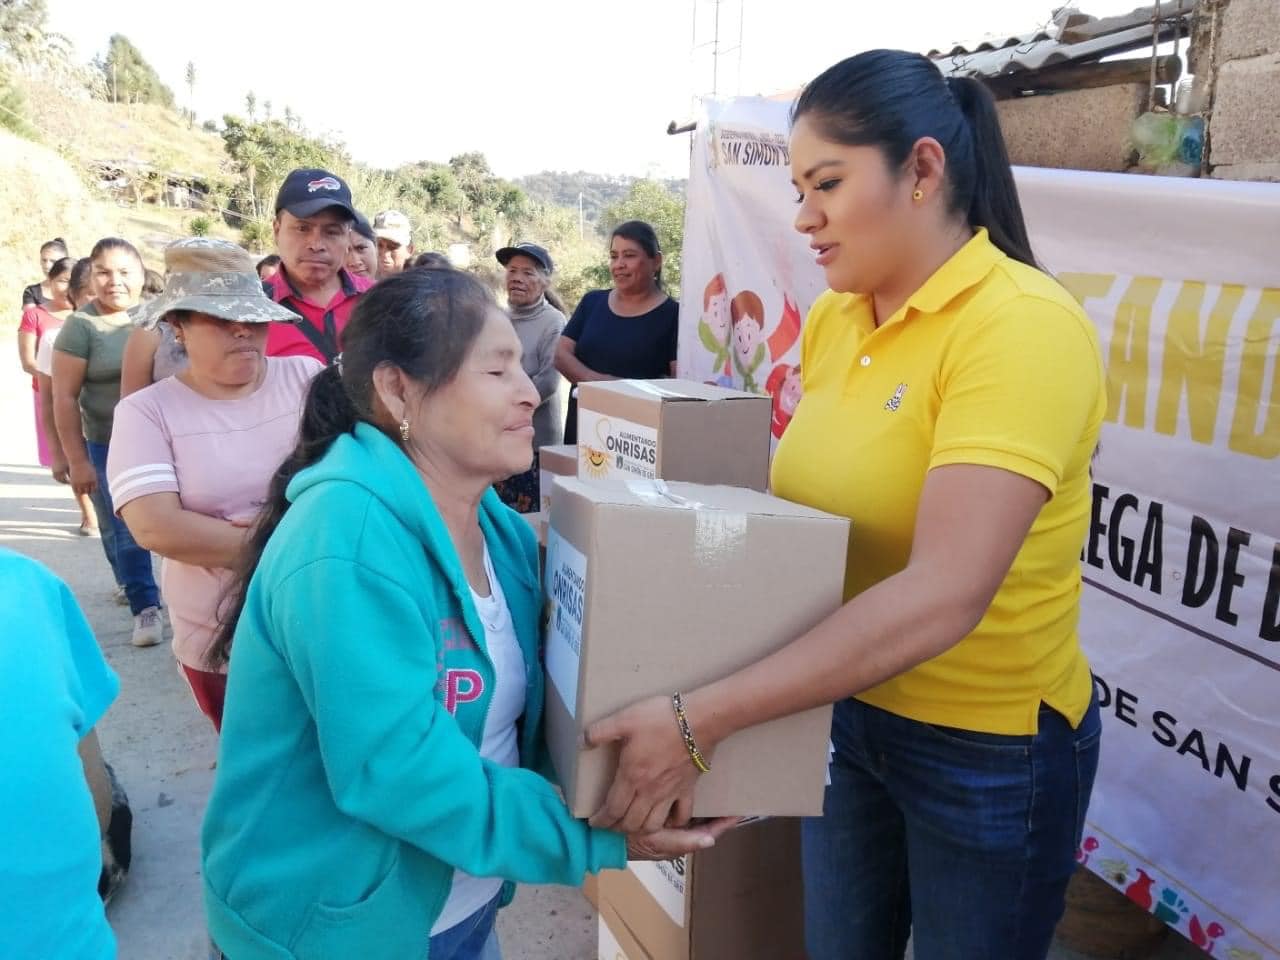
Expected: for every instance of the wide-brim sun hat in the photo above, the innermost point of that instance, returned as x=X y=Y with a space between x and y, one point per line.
x=213 y=277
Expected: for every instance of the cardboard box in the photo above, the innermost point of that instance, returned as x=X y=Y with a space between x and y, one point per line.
x=657 y=587
x=591 y=890
x=743 y=899
x=614 y=940
x=557 y=461
x=673 y=430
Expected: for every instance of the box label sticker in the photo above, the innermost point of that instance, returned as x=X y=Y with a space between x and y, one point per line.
x=609 y=446
x=567 y=592
x=666 y=881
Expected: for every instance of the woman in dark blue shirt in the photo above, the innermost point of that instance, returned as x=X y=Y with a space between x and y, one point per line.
x=627 y=333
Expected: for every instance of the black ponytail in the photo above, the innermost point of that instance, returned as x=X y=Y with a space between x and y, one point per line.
x=994 y=202
x=80 y=275
x=61 y=268
x=57 y=243
x=422 y=321
x=890 y=99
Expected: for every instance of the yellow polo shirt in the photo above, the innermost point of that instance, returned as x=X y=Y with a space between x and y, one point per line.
x=991 y=363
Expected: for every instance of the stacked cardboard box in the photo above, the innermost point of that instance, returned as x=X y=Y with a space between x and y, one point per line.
x=742 y=899
x=655 y=587
x=673 y=430
x=558 y=461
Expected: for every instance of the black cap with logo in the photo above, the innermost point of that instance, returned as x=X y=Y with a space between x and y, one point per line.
x=307 y=191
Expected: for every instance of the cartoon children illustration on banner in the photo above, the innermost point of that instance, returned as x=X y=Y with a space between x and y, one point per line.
x=732 y=332
x=746 y=313
x=714 y=329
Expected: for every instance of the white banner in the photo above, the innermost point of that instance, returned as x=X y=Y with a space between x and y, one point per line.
x=1181 y=613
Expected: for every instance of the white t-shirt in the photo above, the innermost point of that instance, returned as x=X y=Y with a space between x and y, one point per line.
x=500 y=744
x=44 y=355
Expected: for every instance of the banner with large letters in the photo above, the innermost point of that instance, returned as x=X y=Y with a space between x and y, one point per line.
x=1181 y=611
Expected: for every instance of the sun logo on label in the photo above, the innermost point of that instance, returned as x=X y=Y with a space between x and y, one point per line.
x=596 y=462
x=596 y=458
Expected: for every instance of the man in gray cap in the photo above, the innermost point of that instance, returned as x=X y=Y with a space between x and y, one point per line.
x=538 y=324
x=394 y=235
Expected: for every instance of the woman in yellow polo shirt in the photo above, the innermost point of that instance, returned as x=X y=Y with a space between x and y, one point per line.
x=953 y=396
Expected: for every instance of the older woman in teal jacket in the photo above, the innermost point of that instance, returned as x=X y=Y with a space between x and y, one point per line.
x=379 y=784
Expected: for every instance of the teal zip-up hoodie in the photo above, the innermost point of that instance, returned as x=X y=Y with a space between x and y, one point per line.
x=349 y=782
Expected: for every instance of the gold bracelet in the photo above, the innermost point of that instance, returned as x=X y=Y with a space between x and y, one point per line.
x=687 y=734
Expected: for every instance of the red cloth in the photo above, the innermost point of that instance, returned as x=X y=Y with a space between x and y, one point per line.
x=210 y=691
x=286 y=339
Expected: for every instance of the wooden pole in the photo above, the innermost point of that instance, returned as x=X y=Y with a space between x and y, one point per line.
x=1077 y=76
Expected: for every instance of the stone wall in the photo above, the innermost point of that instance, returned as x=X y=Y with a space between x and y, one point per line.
x=1244 y=128
x=1076 y=130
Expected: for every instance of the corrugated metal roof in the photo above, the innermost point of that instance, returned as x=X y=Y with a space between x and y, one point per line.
x=1002 y=54
x=992 y=43
x=1036 y=54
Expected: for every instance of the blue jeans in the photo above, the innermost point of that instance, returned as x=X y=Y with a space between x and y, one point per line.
x=475 y=938
x=965 y=839
x=106 y=530
x=132 y=565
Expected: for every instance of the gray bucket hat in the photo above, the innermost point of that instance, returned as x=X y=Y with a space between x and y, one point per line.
x=214 y=277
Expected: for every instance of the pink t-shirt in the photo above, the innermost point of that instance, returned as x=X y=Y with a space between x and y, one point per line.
x=218 y=456
x=41 y=322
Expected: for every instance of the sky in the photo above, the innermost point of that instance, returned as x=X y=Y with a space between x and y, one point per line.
x=561 y=85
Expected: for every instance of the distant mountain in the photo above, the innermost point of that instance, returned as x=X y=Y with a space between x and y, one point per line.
x=598 y=190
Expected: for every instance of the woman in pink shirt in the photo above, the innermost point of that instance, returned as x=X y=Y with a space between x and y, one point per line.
x=39 y=320
x=192 y=455
x=36 y=333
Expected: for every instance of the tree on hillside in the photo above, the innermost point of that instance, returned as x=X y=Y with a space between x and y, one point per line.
x=652 y=202
x=598 y=191
x=289 y=118
x=127 y=72
x=252 y=157
x=251 y=104
x=13 y=109
x=446 y=192
x=473 y=175
x=265 y=151
x=22 y=25
x=191 y=93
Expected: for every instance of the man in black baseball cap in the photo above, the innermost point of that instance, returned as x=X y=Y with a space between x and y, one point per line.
x=312 y=228
x=306 y=191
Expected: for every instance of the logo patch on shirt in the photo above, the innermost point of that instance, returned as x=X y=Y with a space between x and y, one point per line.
x=894 y=402
x=462 y=686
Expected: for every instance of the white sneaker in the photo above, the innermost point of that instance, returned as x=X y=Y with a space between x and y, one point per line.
x=148 y=628
x=120 y=597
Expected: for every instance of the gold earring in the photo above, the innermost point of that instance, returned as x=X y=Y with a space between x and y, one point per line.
x=404 y=430
x=917 y=195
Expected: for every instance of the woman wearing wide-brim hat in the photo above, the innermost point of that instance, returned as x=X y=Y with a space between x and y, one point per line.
x=192 y=455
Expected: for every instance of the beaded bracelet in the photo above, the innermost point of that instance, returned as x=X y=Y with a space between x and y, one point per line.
x=687 y=734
